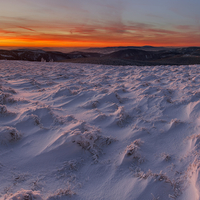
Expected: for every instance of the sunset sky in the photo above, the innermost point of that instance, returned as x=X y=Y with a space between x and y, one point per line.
x=98 y=23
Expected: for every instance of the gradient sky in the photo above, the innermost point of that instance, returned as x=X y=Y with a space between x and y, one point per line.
x=84 y=23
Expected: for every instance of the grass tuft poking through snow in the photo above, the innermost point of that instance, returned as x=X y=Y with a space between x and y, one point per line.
x=67 y=192
x=132 y=150
x=91 y=140
x=3 y=97
x=3 y=109
x=9 y=134
x=122 y=117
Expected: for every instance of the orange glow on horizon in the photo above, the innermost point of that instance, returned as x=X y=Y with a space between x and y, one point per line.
x=15 y=42
x=104 y=36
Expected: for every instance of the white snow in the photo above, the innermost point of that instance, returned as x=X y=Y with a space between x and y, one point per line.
x=7 y=56
x=83 y=131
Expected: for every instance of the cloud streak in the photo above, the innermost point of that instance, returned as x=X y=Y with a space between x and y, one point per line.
x=26 y=28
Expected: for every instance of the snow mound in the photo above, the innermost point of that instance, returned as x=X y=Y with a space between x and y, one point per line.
x=7 y=89
x=25 y=195
x=63 y=92
x=91 y=105
x=65 y=193
x=122 y=117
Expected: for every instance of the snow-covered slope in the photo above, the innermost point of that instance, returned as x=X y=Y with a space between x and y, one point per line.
x=80 y=131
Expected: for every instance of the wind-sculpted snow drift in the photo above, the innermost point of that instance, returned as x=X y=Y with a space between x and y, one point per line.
x=83 y=131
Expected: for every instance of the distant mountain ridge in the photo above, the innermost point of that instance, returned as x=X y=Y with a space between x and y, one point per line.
x=38 y=55
x=146 y=55
x=106 y=50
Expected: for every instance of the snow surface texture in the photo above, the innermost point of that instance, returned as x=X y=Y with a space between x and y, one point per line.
x=81 y=131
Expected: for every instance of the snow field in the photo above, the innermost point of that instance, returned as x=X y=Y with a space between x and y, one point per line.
x=83 y=131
